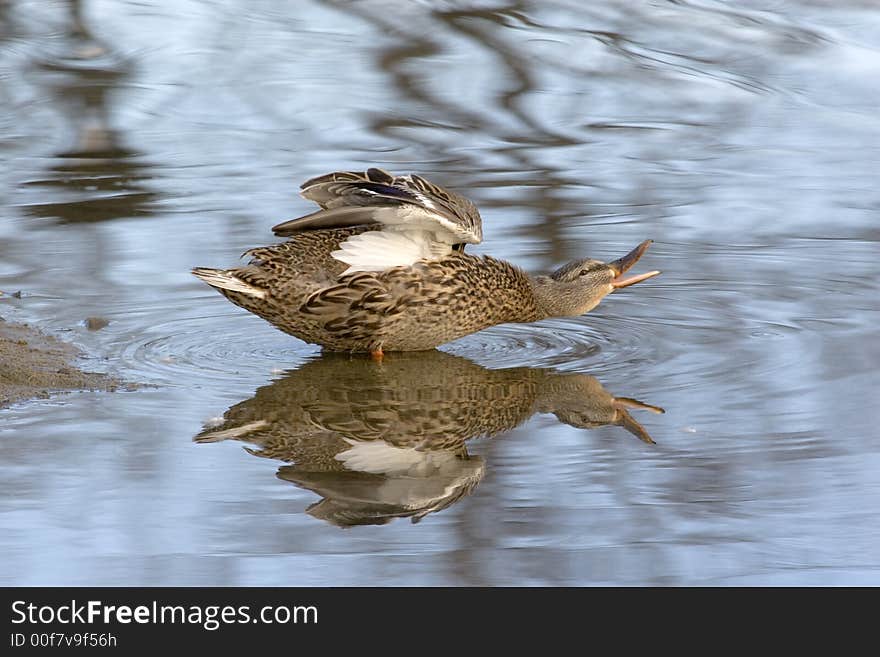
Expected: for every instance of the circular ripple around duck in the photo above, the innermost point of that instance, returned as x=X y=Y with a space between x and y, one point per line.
x=595 y=344
x=194 y=350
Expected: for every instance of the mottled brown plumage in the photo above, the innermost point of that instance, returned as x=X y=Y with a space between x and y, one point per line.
x=303 y=288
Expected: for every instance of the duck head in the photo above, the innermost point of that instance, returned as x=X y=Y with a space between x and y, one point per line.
x=578 y=287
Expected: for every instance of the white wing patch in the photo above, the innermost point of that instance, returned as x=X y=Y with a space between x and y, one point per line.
x=381 y=250
x=413 y=217
x=378 y=457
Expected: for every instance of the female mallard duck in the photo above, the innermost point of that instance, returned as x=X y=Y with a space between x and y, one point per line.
x=381 y=266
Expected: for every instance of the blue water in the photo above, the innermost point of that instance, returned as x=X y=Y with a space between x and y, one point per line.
x=139 y=141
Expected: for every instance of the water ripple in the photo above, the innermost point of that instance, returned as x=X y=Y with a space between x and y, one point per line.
x=597 y=344
x=210 y=348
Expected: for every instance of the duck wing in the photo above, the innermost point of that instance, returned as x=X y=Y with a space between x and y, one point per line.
x=419 y=219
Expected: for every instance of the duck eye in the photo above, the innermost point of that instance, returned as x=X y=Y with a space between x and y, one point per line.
x=583 y=272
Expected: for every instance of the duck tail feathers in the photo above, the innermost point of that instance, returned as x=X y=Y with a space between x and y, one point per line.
x=223 y=279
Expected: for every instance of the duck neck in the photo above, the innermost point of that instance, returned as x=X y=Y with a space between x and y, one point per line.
x=552 y=299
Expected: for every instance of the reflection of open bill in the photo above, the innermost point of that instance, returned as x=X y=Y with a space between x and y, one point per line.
x=384 y=440
x=382 y=267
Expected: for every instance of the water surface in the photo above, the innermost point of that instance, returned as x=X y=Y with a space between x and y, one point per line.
x=140 y=140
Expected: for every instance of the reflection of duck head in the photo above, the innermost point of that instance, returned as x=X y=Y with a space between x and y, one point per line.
x=386 y=440
x=580 y=401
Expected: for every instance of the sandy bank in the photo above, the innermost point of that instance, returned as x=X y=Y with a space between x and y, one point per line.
x=35 y=365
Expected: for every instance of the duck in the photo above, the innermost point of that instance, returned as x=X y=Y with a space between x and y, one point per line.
x=381 y=266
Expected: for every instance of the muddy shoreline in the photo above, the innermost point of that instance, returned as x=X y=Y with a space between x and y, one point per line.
x=34 y=365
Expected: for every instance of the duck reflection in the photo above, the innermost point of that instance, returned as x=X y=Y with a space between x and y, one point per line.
x=385 y=440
